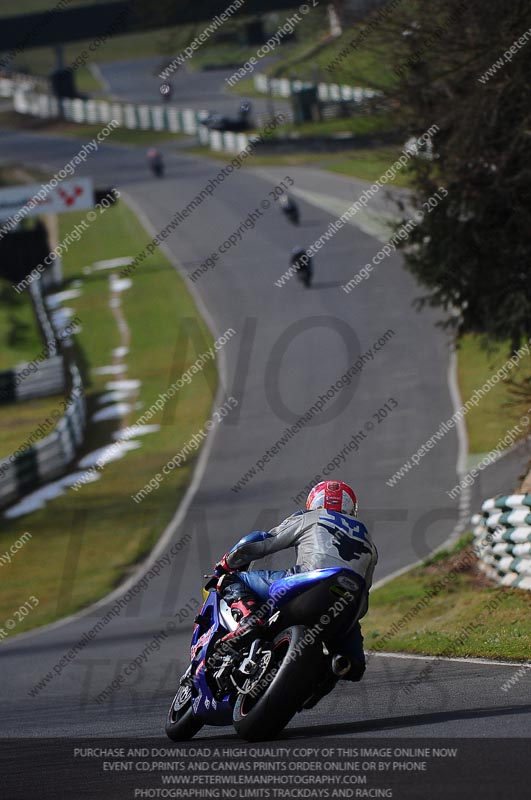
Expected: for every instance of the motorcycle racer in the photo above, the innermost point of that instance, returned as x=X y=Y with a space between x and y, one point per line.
x=326 y=534
x=303 y=263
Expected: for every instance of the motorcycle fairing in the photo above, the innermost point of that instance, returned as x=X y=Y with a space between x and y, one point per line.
x=204 y=705
x=286 y=589
x=304 y=598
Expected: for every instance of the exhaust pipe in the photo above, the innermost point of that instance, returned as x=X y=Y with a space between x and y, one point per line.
x=341 y=665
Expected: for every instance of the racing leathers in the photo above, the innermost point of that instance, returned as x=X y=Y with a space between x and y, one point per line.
x=321 y=539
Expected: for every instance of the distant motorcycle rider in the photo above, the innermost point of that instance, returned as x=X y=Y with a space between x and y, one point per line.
x=155 y=161
x=166 y=90
x=289 y=208
x=326 y=534
x=303 y=263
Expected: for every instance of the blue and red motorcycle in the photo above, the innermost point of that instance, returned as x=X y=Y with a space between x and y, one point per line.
x=288 y=665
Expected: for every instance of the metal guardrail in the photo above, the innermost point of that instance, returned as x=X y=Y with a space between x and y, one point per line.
x=30 y=380
x=502 y=538
x=35 y=464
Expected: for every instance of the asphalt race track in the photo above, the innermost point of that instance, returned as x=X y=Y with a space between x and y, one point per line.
x=137 y=81
x=406 y=519
x=291 y=345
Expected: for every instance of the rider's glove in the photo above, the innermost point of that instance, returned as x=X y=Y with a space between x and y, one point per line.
x=222 y=568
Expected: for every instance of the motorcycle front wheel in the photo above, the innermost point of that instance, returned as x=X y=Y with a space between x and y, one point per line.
x=267 y=706
x=181 y=723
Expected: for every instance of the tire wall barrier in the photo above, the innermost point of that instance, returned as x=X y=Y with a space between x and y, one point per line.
x=128 y=115
x=158 y=117
x=37 y=463
x=502 y=539
x=225 y=141
x=327 y=92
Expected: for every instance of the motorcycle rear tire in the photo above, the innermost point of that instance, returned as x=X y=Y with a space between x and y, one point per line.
x=292 y=685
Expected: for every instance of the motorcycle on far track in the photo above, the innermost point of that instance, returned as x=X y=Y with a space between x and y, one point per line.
x=259 y=683
x=166 y=91
x=290 y=209
x=303 y=263
x=156 y=162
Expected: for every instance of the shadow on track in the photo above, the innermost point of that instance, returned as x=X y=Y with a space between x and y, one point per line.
x=389 y=723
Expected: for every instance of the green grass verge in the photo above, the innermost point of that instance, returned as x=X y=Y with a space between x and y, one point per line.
x=466 y=617
x=312 y=59
x=496 y=414
x=359 y=124
x=369 y=164
x=246 y=88
x=88 y=83
x=366 y=164
x=85 y=542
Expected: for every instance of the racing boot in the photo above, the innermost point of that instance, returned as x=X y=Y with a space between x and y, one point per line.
x=244 y=612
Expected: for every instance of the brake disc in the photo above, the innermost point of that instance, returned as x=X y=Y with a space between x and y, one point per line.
x=253 y=680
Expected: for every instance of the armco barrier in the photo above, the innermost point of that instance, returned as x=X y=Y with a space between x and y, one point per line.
x=327 y=92
x=33 y=465
x=502 y=539
x=43 y=376
x=28 y=381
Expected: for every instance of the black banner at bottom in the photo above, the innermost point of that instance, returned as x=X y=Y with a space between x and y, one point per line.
x=332 y=768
